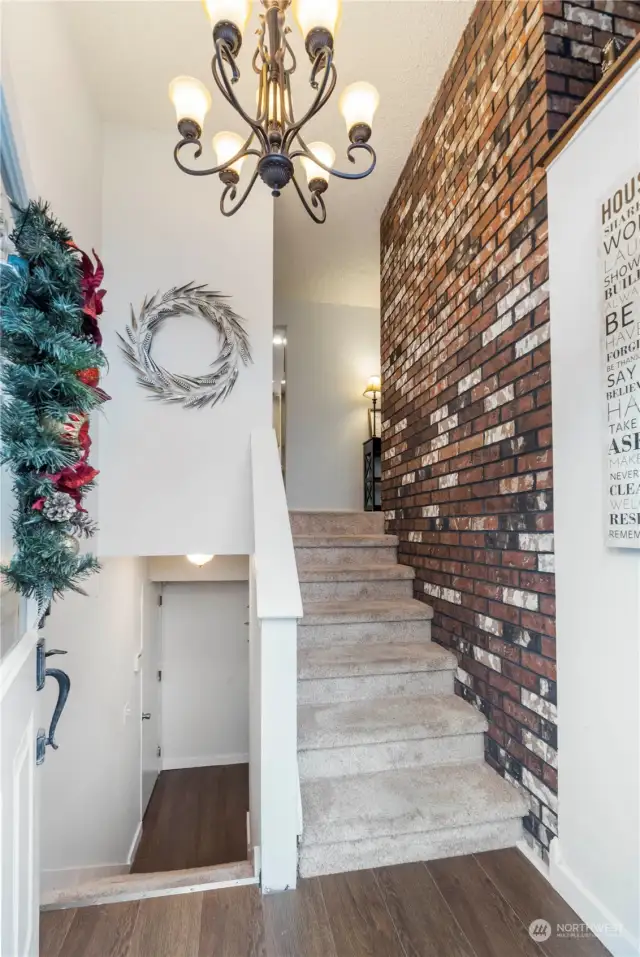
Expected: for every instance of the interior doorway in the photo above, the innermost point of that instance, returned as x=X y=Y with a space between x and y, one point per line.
x=197 y=812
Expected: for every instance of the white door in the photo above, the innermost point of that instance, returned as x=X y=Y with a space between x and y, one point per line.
x=205 y=674
x=150 y=697
x=19 y=781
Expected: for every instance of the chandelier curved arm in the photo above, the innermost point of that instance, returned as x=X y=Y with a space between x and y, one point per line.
x=325 y=89
x=231 y=191
x=340 y=174
x=188 y=141
x=316 y=201
x=224 y=85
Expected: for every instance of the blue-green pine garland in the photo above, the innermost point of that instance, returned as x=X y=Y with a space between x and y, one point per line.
x=43 y=347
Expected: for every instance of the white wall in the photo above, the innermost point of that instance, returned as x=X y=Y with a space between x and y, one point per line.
x=205 y=674
x=90 y=787
x=595 y=860
x=331 y=352
x=177 y=480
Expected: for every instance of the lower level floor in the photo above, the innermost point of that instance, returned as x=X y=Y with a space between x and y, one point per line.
x=486 y=905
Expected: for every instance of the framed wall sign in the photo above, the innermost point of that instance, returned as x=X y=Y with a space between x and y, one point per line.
x=620 y=254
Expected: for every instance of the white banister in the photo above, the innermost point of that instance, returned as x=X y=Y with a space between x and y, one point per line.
x=275 y=608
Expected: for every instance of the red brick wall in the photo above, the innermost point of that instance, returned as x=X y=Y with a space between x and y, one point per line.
x=467 y=443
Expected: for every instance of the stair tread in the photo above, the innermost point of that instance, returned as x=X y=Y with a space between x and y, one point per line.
x=365 y=609
x=355 y=573
x=345 y=659
x=345 y=541
x=381 y=720
x=405 y=801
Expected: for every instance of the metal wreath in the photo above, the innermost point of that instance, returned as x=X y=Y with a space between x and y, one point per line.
x=192 y=391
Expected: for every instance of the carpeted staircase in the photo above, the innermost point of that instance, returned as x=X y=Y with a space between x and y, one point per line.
x=391 y=760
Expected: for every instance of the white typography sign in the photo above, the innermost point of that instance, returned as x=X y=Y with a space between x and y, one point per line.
x=620 y=252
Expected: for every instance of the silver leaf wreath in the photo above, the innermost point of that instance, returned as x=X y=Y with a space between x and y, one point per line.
x=191 y=391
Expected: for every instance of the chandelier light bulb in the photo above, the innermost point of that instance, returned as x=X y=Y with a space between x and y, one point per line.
x=325 y=154
x=200 y=560
x=192 y=102
x=226 y=145
x=317 y=15
x=358 y=105
x=231 y=11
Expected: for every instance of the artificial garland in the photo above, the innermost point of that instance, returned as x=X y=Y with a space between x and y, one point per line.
x=51 y=362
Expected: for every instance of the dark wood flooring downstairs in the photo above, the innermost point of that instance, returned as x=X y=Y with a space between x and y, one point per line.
x=196 y=817
x=479 y=906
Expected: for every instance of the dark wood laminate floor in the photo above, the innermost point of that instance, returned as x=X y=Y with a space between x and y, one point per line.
x=477 y=906
x=196 y=817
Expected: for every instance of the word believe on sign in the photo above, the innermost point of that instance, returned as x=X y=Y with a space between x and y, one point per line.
x=620 y=249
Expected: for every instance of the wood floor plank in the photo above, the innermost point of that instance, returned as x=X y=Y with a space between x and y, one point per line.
x=232 y=923
x=167 y=927
x=296 y=923
x=104 y=931
x=358 y=916
x=196 y=818
x=425 y=925
x=488 y=922
x=532 y=897
x=54 y=927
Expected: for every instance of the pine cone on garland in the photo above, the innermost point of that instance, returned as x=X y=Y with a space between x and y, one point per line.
x=59 y=507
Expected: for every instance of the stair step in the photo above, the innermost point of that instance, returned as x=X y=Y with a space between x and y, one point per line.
x=356 y=573
x=329 y=550
x=367 y=621
x=372 y=610
x=345 y=541
x=342 y=660
x=369 y=820
x=357 y=737
x=386 y=719
x=336 y=523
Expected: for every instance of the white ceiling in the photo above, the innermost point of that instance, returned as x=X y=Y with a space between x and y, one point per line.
x=131 y=49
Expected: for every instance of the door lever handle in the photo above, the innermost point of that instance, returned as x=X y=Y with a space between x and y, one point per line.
x=146 y=715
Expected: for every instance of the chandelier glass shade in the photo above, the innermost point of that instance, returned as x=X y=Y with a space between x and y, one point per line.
x=274 y=135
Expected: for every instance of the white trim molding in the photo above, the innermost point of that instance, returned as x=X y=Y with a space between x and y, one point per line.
x=606 y=927
x=204 y=761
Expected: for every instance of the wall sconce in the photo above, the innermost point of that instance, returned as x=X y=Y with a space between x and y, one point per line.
x=372 y=391
x=199 y=560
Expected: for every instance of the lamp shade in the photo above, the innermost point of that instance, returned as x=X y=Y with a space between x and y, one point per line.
x=374 y=387
x=234 y=11
x=226 y=145
x=200 y=560
x=317 y=13
x=191 y=99
x=358 y=104
x=325 y=154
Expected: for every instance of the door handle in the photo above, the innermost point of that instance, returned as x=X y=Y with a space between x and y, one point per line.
x=64 y=685
x=146 y=715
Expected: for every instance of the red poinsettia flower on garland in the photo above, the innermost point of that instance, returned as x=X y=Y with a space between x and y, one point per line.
x=93 y=295
x=71 y=480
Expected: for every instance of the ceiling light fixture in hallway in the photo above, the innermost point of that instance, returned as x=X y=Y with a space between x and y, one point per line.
x=275 y=135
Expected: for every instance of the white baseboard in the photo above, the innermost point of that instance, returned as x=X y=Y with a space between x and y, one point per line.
x=135 y=843
x=204 y=761
x=616 y=938
x=64 y=877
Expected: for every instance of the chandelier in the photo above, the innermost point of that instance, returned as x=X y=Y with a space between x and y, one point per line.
x=274 y=136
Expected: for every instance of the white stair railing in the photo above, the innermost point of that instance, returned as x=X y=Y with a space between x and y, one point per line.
x=275 y=608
